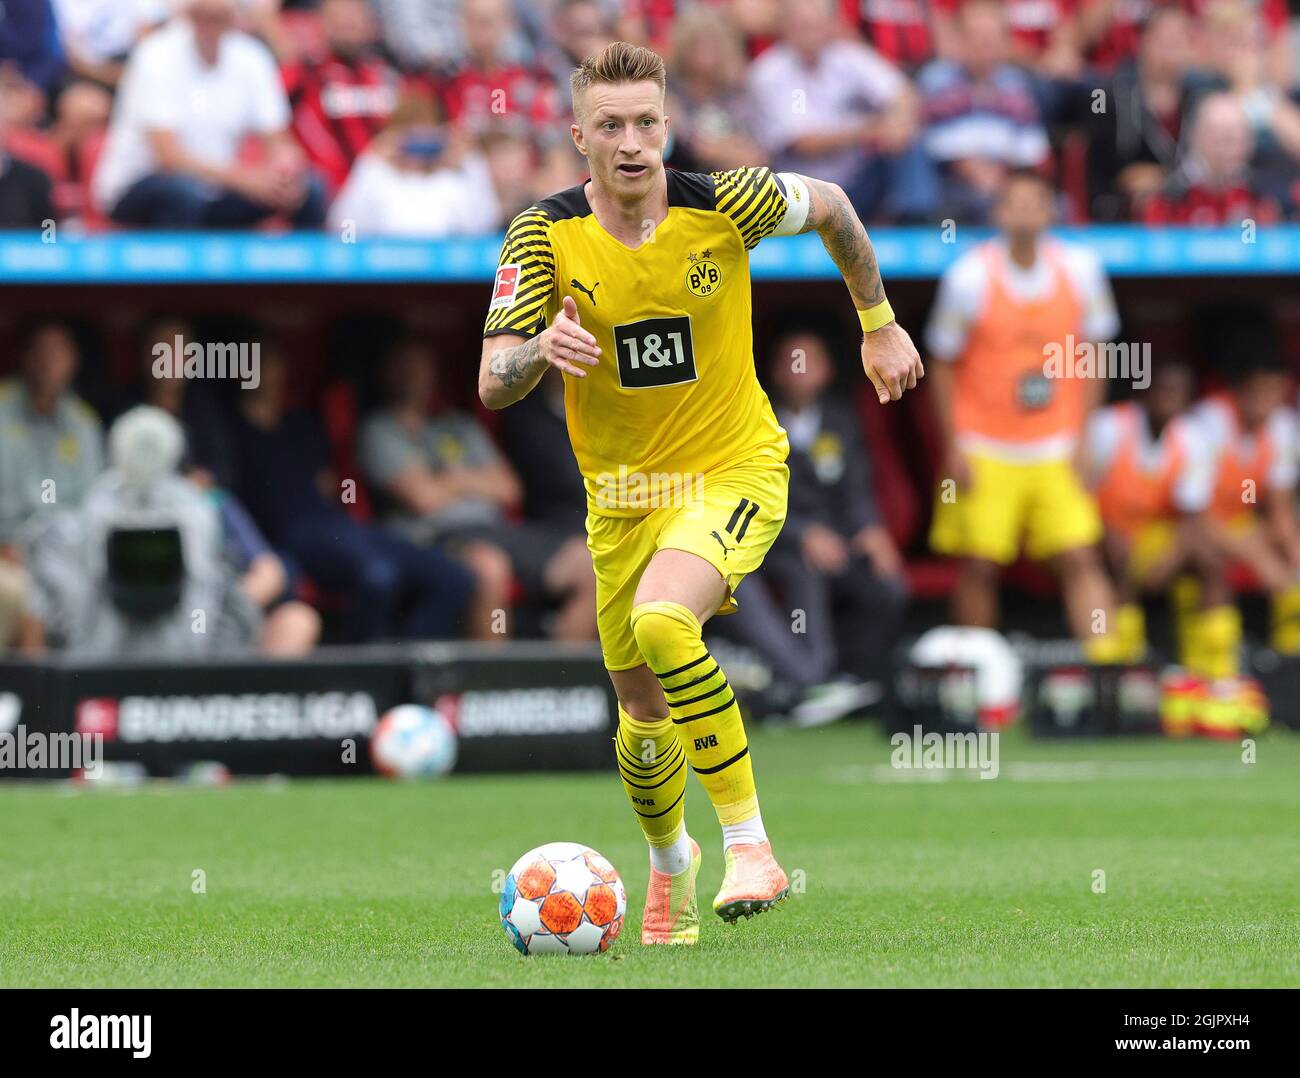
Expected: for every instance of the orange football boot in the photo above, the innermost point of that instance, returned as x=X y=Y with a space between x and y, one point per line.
x=671 y=913
x=753 y=882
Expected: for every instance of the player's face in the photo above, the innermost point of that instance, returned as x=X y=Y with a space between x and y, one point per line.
x=163 y=333
x=1025 y=210
x=622 y=136
x=410 y=375
x=274 y=379
x=801 y=370
x=1170 y=394
x=1258 y=396
x=51 y=363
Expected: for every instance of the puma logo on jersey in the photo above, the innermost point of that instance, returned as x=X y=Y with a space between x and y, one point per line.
x=591 y=292
x=737 y=525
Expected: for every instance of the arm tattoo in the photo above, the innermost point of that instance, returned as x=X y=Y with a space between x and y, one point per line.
x=846 y=241
x=514 y=365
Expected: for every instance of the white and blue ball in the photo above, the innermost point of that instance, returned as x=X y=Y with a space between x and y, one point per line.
x=413 y=742
x=562 y=898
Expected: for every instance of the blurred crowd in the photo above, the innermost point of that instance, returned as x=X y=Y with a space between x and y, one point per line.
x=189 y=516
x=220 y=520
x=193 y=514
x=446 y=117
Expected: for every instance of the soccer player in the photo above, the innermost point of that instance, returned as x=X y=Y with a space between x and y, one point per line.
x=1150 y=471
x=1251 y=435
x=1011 y=429
x=635 y=285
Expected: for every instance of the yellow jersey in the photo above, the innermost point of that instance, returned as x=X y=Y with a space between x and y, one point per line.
x=675 y=396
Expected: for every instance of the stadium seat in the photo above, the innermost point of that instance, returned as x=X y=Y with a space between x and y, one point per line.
x=339 y=412
x=934 y=577
x=91 y=149
x=34 y=147
x=1032 y=579
x=895 y=490
x=930 y=577
x=1242 y=579
x=72 y=198
x=1073 y=176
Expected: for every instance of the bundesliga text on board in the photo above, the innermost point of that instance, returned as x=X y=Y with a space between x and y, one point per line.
x=228 y=717
x=527 y=712
x=305 y=716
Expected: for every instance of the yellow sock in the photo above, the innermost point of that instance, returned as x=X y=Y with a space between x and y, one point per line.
x=1105 y=650
x=1214 y=642
x=1286 y=620
x=652 y=765
x=1185 y=599
x=702 y=705
x=1191 y=643
x=1131 y=627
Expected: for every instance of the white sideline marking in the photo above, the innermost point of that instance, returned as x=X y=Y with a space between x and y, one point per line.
x=1028 y=771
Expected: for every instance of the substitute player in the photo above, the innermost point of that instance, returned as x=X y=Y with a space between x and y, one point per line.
x=1250 y=433
x=1150 y=472
x=1012 y=430
x=635 y=285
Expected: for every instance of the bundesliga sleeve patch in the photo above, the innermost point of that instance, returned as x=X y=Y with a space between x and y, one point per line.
x=505 y=286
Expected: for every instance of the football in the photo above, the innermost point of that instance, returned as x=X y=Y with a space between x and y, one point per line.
x=413 y=742
x=562 y=898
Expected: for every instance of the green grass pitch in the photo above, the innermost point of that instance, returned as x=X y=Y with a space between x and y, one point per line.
x=900 y=879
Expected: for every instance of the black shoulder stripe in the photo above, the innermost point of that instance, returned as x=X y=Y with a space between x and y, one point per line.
x=754 y=199
x=527 y=244
x=754 y=207
x=571 y=202
x=773 y=214
x=693 y=190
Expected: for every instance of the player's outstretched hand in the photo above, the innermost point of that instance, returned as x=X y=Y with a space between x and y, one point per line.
x=566 y=345
x=891 y=361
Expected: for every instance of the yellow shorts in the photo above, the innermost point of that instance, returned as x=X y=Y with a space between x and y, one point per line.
x=1150 y=544
x=730 y=518
x=1242 y=524
x=1041 y=503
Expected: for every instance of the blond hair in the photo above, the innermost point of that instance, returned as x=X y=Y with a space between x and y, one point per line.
x=619 y=61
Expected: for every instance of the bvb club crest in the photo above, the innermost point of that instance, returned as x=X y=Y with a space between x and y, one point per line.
x=703 y=277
